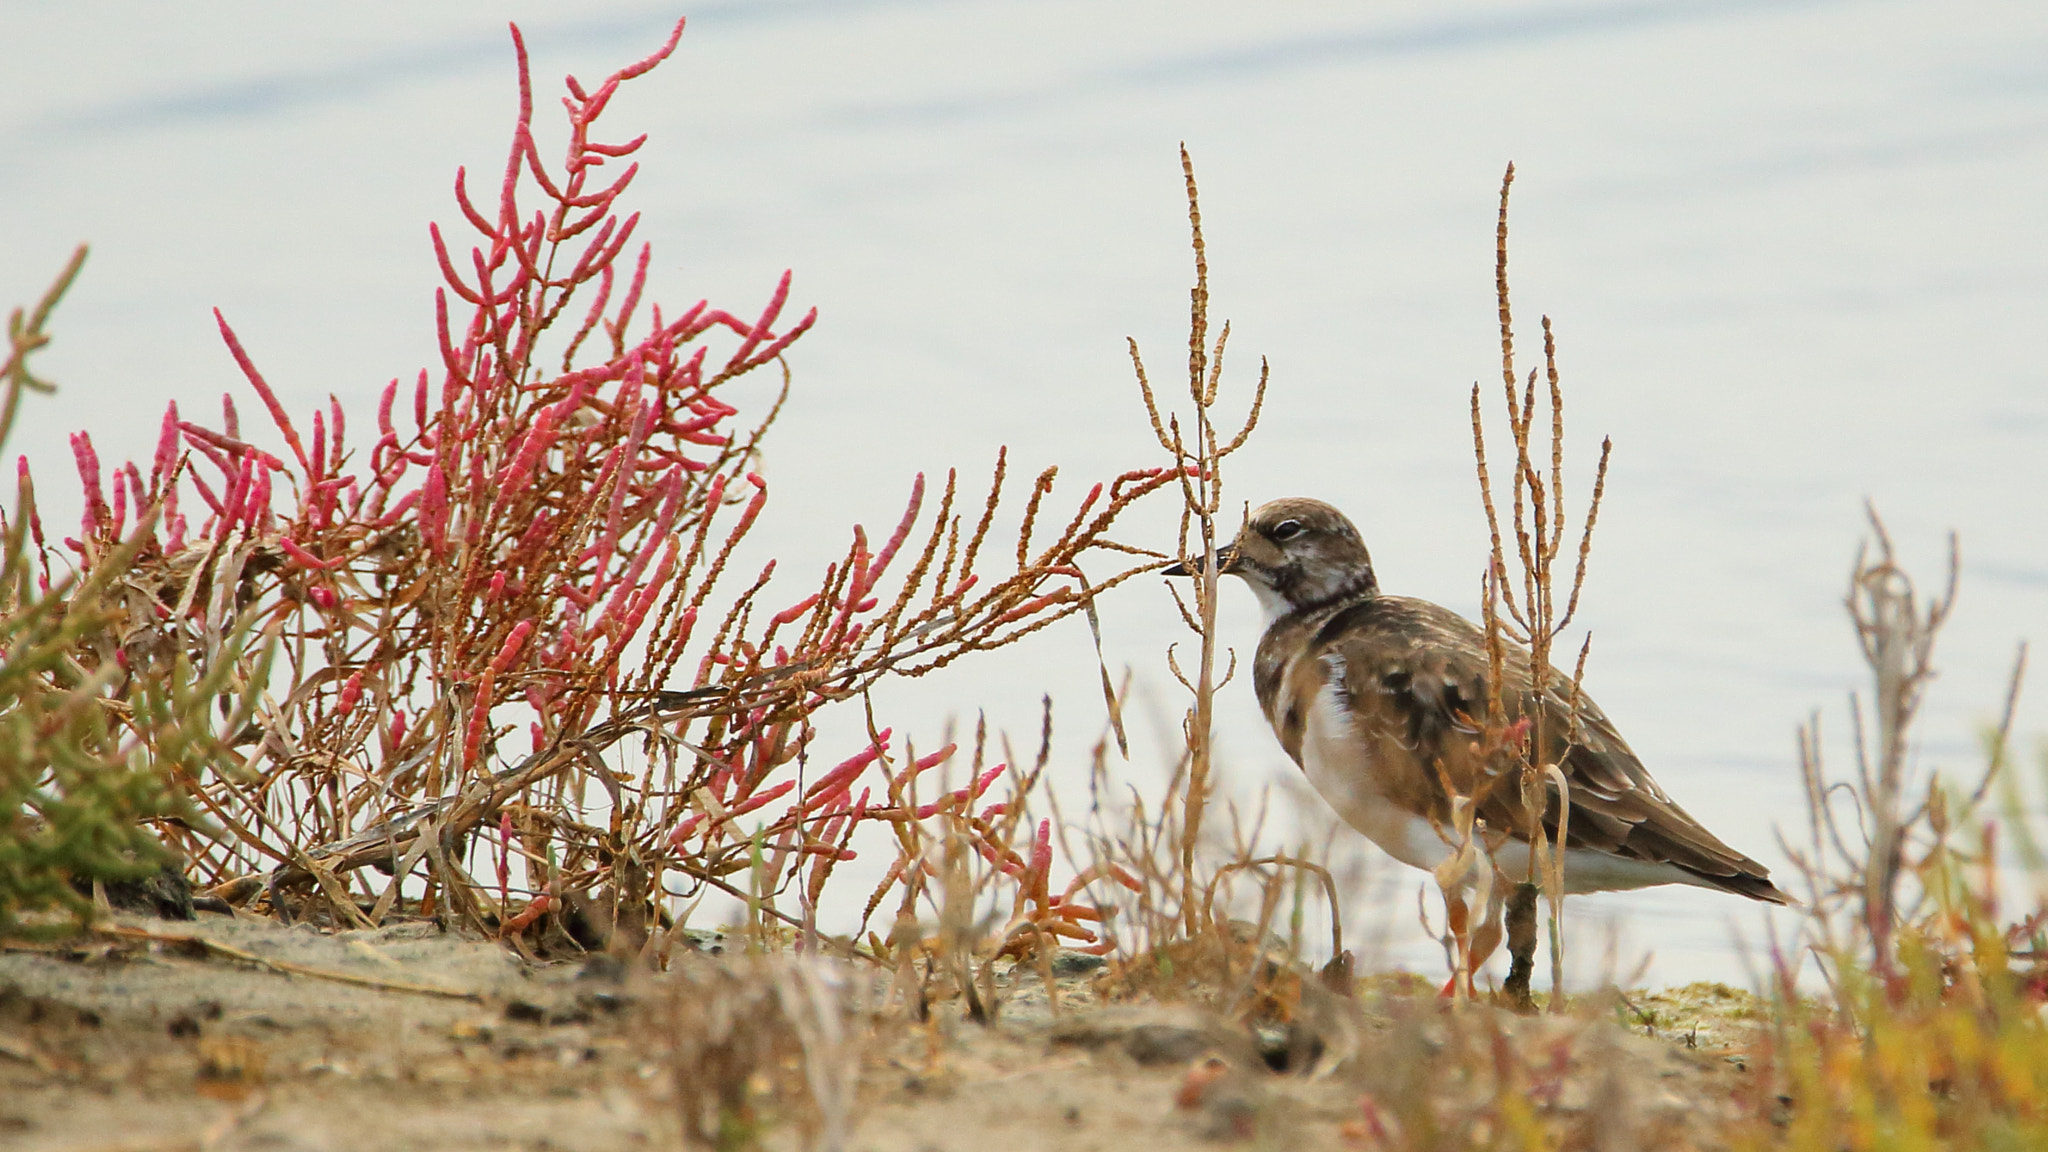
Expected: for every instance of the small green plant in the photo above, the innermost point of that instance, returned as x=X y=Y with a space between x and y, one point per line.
x=95 y=731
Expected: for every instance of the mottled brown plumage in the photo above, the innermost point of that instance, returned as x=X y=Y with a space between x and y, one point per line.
x=1380 y=700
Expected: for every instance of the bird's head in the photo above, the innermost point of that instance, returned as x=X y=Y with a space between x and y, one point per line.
x=1295 y=553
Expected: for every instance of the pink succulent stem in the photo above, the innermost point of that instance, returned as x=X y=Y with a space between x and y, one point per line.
x=845 y=772
x=834 y=824
x=97 y=515
x=513 y=480
x=665 y=519
x=449 y=356
x=926 y=763
x=795 y=610
x=120 y=519
x=1030 y=607
x=259 y=514
x=448 y=274
x=759 y=330
x=695 y=819
x=256 y=381
x=318 y=468
x=351 y=693
x=637 y=612
x=198 y=435
x=206 y=493
x=619 y=149
x=398 y=510
x=476 y=218
x=214 y=456
x=961 y=797
x=166 y=448
x=632 y=298
x=1041 y=863
x=239 y=483
x=307 y=559
x=434 y=509
x=480 y=716
x=645 y=65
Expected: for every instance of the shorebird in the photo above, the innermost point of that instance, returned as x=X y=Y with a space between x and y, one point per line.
x=1381 y=701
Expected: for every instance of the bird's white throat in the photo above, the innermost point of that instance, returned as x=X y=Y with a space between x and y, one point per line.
x=1272 y=604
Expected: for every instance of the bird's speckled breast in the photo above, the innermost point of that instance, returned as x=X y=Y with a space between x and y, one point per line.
x=1302 y=690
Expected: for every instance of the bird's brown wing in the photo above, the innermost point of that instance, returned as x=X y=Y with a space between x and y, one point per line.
x=1417 y=673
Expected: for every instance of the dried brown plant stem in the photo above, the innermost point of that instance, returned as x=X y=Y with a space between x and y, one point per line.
x=1898 y=644
x=1198 y=466
x=1864 y=885
x=1526 y=612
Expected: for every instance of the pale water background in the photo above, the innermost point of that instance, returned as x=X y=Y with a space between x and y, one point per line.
x=1797 y=253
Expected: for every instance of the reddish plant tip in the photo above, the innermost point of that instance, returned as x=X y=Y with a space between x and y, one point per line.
x=98 y=517
x=513 y=644
x=256 y=381
x=304 y=558
x=166 y=448
x=842 y=776
x=351 y=694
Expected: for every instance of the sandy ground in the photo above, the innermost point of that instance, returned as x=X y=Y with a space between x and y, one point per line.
x=218 y=1034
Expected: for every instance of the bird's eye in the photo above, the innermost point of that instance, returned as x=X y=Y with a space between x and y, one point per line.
x=1286 y=530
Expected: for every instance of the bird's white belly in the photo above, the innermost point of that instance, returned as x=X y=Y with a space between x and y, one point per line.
x=1339 y=765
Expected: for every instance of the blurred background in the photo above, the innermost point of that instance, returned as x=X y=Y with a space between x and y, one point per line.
x=1796 y=253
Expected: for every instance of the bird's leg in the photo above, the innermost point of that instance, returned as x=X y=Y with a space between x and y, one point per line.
x=1486 y=934
x=1458 y=926
x=1480 y=939
x=1521 y=924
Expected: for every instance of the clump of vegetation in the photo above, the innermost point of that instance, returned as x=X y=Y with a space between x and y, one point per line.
x=1931 y=1034
x=525 y=563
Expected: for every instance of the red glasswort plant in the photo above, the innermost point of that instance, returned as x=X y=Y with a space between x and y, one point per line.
x=536 y=542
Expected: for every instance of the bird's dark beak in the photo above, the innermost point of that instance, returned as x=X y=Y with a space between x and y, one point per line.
x=1226 y=563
